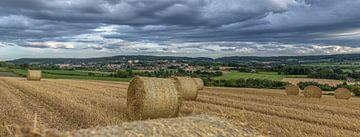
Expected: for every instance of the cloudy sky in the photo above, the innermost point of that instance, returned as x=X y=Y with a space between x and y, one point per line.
x=209 y=28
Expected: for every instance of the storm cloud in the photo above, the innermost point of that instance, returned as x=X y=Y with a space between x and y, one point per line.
x=179 y=27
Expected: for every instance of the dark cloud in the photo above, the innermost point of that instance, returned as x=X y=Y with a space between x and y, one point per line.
x=160 y=26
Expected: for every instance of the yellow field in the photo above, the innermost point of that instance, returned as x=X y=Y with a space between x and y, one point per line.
x=330 y=82
x=73 y=104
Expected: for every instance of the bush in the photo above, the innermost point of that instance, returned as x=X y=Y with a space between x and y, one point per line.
x=246 y=83
x=354 y=89
x=324 y=87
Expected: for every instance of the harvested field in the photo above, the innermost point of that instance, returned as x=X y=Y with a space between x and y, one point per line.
x=330 y=82
x=68 y=105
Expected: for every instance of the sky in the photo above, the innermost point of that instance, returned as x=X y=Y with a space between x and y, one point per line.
x=192 y=28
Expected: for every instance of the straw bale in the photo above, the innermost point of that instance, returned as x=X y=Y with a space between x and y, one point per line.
x=187 y=87
x=199 y=83
x=312 y=92
x=292 y=90
x=198 y=125
x=34 y=75
x=149 y=98
x=342 y=93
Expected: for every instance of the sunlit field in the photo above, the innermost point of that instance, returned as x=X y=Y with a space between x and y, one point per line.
x=76 y=104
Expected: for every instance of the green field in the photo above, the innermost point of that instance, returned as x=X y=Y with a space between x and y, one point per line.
x=335 y=64
x=72 y=74
x=260 y=75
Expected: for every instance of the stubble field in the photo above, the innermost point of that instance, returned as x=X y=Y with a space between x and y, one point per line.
x=75 y=104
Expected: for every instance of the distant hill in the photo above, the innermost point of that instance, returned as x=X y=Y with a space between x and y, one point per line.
x=233 y=59
x=314 y=58
x=113 y=59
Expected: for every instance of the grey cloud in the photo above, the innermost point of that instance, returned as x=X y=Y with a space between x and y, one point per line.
x=51 y=45
x=184 y=26
x=141 y=12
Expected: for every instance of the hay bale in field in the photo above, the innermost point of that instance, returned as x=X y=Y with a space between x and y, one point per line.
x=342 y=93
x=292 y=90
x=34 y=75
x=312 y=92
x=199 y=125
x=152 y=98
x=187 y=87
x=200 y=83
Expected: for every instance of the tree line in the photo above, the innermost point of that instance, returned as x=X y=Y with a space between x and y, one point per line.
x=165 y=73
x=245 y=83
x=319 y=72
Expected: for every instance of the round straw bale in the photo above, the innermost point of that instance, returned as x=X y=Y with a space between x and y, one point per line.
x=342 y=93
x=149 y=98
x=292 y=90
x=187 y=87
x=200 y=83
x=312 y=92
x=34 y=75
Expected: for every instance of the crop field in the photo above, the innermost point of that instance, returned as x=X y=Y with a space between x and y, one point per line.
x=77 y=104
x=260 y=75
x=329 y=82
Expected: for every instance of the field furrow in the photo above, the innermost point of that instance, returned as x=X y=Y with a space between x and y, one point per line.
x=272 y=94
x=267 y=124
x=31 y=106
x=80 y=112
x=291 y=113
x=118 y=91
x=288 y=104
x=74 y=104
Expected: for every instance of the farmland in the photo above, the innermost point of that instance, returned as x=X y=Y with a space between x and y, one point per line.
x=260 y=75
x=72 y=74
x=5 y=72
x=76 y=104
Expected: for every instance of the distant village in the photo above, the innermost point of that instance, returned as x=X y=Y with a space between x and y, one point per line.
x=141 y=66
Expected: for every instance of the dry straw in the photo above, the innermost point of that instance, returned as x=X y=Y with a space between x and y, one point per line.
x=292 y=90
x=149 y=98
x=187 y=87
x=200 y=83
x=34 y=75
x=342 y=93
x=198 y=125
x=312 y=92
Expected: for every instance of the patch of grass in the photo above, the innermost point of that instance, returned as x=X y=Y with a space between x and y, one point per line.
x=260 y=75
x=75 y=72
x=2 y=69
x=69 y=74
x=335 y=64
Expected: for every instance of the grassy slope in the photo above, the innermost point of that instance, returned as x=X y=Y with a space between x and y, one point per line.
x=260 y=75
x=67 y=74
